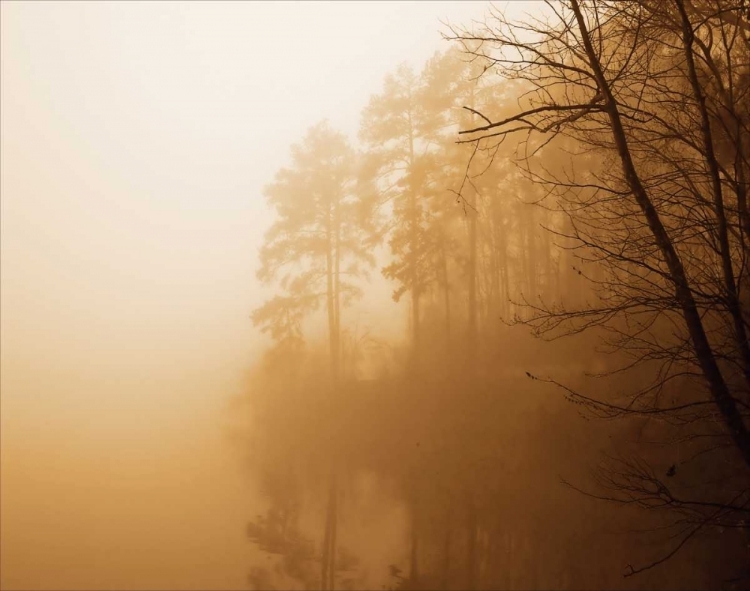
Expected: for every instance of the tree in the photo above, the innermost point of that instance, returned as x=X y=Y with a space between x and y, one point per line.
x=457 y=449
x=316 y=242
x=316 y=246
x=400 y=131
x=661 y=215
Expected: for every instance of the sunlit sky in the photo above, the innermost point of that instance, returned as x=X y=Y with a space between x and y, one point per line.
x=136 y=139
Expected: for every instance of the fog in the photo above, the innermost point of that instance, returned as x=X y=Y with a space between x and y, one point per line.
x=186 y=405
x=136 y=139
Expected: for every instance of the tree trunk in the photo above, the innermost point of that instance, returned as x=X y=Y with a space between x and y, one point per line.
x=713 y=168
x=495 y=304
x=546 y=253
x=336 y=346
x=413 y=244
x=504 y=271
x=328 y=567
x=472 y=222
x=531 y=255
x=446 y=292
x=473 y=327
x=331 y=300
x=718 y=388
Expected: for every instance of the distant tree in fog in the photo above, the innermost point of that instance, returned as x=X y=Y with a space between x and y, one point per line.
x=315 y=248
x=316 y=251
x=400 y=133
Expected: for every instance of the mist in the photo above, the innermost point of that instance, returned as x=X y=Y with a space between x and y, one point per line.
x=374 y=295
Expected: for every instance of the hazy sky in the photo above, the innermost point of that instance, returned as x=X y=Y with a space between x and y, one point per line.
x=136 y=139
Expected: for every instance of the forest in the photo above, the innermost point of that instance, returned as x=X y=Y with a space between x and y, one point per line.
x=558 y=208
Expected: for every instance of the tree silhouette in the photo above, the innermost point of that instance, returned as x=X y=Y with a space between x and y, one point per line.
x=661 y=214
x=316 y=250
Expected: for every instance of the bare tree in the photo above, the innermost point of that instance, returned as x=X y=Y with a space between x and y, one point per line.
x=645 y=103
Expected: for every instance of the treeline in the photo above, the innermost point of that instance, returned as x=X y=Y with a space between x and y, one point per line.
x=583 y=177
